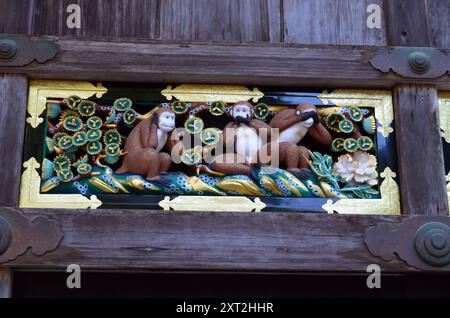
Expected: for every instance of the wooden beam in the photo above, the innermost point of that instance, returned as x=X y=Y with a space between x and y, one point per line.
x=199 y=62
x=157 y=240
x=6 y=280
x=419 y=146
x=13 y=97
x=419 y=150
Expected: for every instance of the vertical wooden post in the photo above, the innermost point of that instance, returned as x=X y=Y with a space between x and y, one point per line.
x=13 y=101
x=6 y=277
x=419 y=145
x=419 y=149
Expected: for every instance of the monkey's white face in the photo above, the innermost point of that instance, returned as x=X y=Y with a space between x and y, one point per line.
x=241 y=111
x=166 y=121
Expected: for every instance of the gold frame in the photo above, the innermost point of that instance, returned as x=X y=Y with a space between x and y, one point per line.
x=444 y=115
x=444 y=121
x=381 y=101
x=40 y=90
x=31 y=196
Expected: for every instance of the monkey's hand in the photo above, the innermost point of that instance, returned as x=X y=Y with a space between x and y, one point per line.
x=307 y=115
x=154 y=119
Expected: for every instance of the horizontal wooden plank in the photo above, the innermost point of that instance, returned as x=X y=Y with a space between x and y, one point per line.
x=156 y=240
x=251 y=64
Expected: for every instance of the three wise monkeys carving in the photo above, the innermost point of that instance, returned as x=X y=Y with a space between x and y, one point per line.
x=247 y=142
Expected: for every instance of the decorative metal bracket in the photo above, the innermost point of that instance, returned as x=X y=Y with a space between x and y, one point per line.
x=18 y=234
x=212 y=204
x=21 y=50
x=421 y=241
x=204 y=92
x=412 y=62
x=31 y=197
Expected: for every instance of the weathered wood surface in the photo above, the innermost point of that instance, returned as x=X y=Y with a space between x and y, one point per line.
x=6 y=281
x=16 y=16
x=13 y=101
x=331 y=22
x=224 y=20
x=196 y=62
x=293 y=21
x=408 y=23
x=439 y=16
x=419 y=150
x=151 y=240
x=419 y=143
x=113 y=18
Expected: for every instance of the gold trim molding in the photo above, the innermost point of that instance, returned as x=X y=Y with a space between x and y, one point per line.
x=444 y=115
x=212 y=204
x=41 y=90
x=447 y=178
x=444 y=123
x=203 y=93
x=389 y=204
x=380 y=100
x=30 y=196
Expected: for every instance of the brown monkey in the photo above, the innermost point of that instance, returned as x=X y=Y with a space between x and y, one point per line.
x=244 y=134
x=144 y=144
x=293 y=125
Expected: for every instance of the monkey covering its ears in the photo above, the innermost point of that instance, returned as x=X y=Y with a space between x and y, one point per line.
x=144 y=144
x=293 y=125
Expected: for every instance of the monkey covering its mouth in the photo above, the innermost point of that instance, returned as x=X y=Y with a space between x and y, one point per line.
x=242 y=120
x=307 y=115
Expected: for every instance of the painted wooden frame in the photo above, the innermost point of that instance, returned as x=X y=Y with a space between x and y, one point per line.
x=378 y=100
x=223 y=241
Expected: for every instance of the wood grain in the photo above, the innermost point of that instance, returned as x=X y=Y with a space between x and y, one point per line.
x=408 y=23
x=439 y=15
x=210 y=20
x=331 y=22
x=419 y=151
x=13 y=101
x=141 y=60
x=152 y=240
x=113 y=18
x=220 y=20
x=6 y=281
x=291 y=21
x=16 y=17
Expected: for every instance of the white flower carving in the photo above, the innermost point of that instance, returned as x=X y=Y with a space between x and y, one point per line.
x=360 y=167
